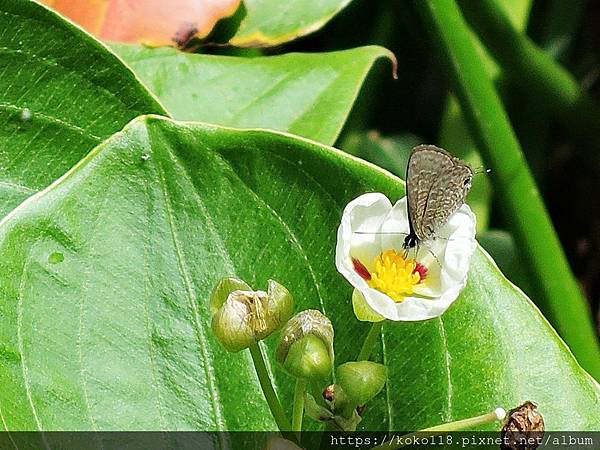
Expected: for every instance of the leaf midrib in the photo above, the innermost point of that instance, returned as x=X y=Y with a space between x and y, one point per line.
x=200 y=336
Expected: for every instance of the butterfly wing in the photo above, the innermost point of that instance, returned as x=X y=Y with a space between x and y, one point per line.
x=436 y=184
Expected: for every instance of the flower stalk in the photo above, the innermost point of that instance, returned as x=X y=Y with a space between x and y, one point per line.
x=534 y=69
x=267 y=387
x=298 y=412
x=370 y=341
x=497 y=415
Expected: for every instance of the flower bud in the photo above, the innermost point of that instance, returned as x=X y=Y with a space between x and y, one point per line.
x=242 y=317
x=306 y=346
x=329 y=392
x=308 y=358
x=281 y=305
x=361 y=380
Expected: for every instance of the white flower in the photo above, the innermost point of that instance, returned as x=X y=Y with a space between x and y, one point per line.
x=390 y=283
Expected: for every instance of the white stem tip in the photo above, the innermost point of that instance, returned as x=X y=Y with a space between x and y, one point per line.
x=500 y=413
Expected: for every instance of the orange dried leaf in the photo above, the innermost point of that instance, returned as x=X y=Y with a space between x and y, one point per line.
x=149 y=22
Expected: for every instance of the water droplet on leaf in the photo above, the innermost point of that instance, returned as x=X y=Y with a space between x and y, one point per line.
x=26 y=114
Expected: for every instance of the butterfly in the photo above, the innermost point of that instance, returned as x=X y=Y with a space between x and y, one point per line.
x=437 y=184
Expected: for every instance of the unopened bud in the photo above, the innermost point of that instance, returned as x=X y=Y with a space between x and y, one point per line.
x=306 y=346
x=242 y=317
x=361 y=380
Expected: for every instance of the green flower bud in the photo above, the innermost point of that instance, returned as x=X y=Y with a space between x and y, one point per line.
x=308 y=358
x=242 y=317
x=306 y=346
x=361 y=380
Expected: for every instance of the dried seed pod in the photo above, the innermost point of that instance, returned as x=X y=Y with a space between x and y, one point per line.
x=242 y=316
x=524 y=428
x=221 y=291
x=306 y=346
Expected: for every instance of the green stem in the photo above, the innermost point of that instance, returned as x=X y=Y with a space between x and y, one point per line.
x=519 y=196
x=267 y=387
x=535 y=70
x=370 y=341
x=458 y=425
x=298 y=413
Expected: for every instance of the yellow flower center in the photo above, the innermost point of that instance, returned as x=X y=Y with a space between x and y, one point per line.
x=394 y=275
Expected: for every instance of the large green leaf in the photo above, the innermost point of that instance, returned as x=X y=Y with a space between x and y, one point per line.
x=105 y=278
x=61 y=94
x=306 y=94
x=272 y=22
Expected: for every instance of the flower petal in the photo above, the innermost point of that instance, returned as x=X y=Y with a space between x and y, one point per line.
x=448 y=255
x=395 y=227
x=365 y=214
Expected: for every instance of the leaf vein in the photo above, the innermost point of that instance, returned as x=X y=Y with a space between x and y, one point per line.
x=209 y=373
x=291 y=234
x=447 y=361
x=20 y=345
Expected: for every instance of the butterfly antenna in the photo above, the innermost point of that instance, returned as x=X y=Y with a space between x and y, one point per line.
x=381 y=232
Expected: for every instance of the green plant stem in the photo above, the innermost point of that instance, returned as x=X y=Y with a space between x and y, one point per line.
x=535 y=70
x=443 y=428
x=523 y=207
x=298 y=413
x=370 y=341
x=267 y=387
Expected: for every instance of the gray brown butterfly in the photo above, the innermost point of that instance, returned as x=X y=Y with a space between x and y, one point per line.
x=437 y=184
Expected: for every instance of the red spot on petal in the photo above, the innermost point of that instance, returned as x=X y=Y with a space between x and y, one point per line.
x=422 y=270
x=360 y=269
